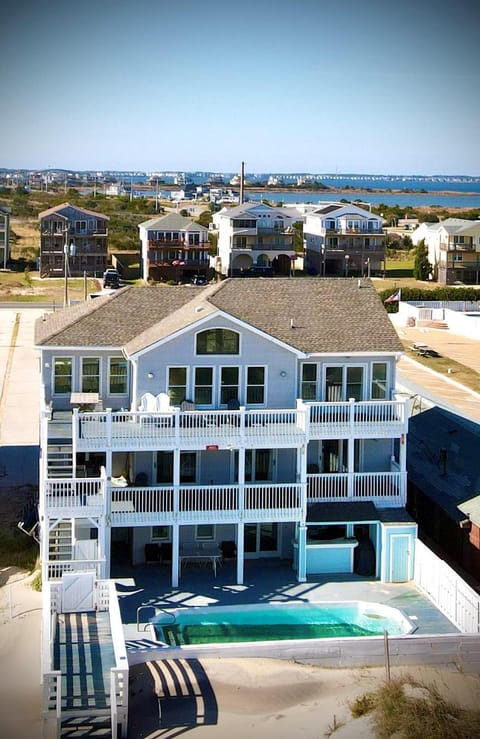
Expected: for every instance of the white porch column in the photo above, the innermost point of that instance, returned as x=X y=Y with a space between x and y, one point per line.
x=175 y=554
x=240 y=553
x=302 y=553
x=241 y=510
x=105 y=522
x=351 y=450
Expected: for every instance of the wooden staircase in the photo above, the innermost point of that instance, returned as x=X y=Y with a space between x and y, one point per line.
x=59 y=460
x=60 y=542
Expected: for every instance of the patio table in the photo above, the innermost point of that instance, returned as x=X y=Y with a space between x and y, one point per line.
x=215 y=558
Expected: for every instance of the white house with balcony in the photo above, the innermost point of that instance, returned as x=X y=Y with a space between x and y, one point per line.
x=254 y=235
x=453 y=247
x=341 y=239
x=257 y=418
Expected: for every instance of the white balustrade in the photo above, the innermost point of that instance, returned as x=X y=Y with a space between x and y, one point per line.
x=56 y=568
x=73 y=493
x=388 y=488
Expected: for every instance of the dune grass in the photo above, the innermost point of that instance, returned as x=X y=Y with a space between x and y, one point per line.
x=404 y=707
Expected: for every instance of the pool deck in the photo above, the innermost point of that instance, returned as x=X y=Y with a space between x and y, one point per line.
x=265 y=581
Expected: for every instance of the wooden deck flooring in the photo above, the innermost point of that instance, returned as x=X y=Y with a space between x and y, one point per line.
x=83 y=651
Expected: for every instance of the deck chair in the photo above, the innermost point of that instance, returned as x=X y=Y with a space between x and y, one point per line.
x=163 y=403
x=187 y=405
x=148 y=402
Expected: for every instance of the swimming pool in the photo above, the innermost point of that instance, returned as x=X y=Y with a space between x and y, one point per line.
x=277 y=622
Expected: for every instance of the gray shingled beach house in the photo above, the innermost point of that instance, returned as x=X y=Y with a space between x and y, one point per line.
x=251 y=419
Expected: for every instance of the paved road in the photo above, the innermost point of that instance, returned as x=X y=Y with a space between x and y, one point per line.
x=444 y=392
x=19 y=397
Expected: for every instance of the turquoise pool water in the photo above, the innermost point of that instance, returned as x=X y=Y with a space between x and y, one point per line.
x=277 y=622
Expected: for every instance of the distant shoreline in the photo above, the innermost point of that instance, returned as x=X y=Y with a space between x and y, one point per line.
x=319 y=191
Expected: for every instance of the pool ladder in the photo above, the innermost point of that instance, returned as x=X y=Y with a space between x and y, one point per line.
x=156 y=609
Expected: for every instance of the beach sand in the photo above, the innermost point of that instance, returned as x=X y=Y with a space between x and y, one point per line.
x=20 y=689
x=224 y=698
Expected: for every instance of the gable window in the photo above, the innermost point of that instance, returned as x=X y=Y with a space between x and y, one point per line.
x=203 y=385
x=81 y=225
x=177 y=384
x=62 y=375
x=218 y=341
x=90 y=380
x=309 y=382
x=379 y=380
x=229 y=384
x=118 y=376
x=255 y=385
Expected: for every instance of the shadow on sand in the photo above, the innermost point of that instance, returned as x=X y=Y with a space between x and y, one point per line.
x=169 y=697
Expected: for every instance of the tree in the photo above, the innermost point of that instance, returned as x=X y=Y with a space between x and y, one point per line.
x=421 y=267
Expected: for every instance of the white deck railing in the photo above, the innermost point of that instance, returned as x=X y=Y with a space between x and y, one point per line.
x=119 y=673
x=193 y=503
x=358 y=418
x=74 y=493
x=189 y=429
x=457 y=600
x=56 y=568
x=136 y=430
x=386 y=488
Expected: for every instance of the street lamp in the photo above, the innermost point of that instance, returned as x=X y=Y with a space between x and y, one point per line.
x=347 y=259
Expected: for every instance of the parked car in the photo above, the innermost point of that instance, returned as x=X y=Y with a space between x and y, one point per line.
x=111 y=278
x=258 y=272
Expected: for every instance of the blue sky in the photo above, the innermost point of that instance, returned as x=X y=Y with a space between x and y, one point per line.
x=286 y=85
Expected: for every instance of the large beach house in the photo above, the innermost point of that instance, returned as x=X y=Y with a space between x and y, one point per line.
x=253 y=417
x=254 y=235
x=453 y=247
x=73 y=242
x=341 y=239
x=173 y=247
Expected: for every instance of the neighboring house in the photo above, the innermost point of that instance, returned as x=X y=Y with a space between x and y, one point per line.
x=254 y=235
x=343 y=240
x=443 y=479
x=453 y=249
x=173 y=248
x=257 y=414
x=75 y=235
x=4 y=236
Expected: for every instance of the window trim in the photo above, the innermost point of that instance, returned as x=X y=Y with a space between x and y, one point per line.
x=344 y=366
x=247 y=385
x=127 y=375
x=72 y=373
x=99 y=374
x=187 y=380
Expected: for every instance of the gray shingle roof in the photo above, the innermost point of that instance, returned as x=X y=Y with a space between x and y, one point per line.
x=173 y=222
x=328 y=315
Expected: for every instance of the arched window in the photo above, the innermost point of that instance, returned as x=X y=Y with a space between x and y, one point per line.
x=218 y=341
